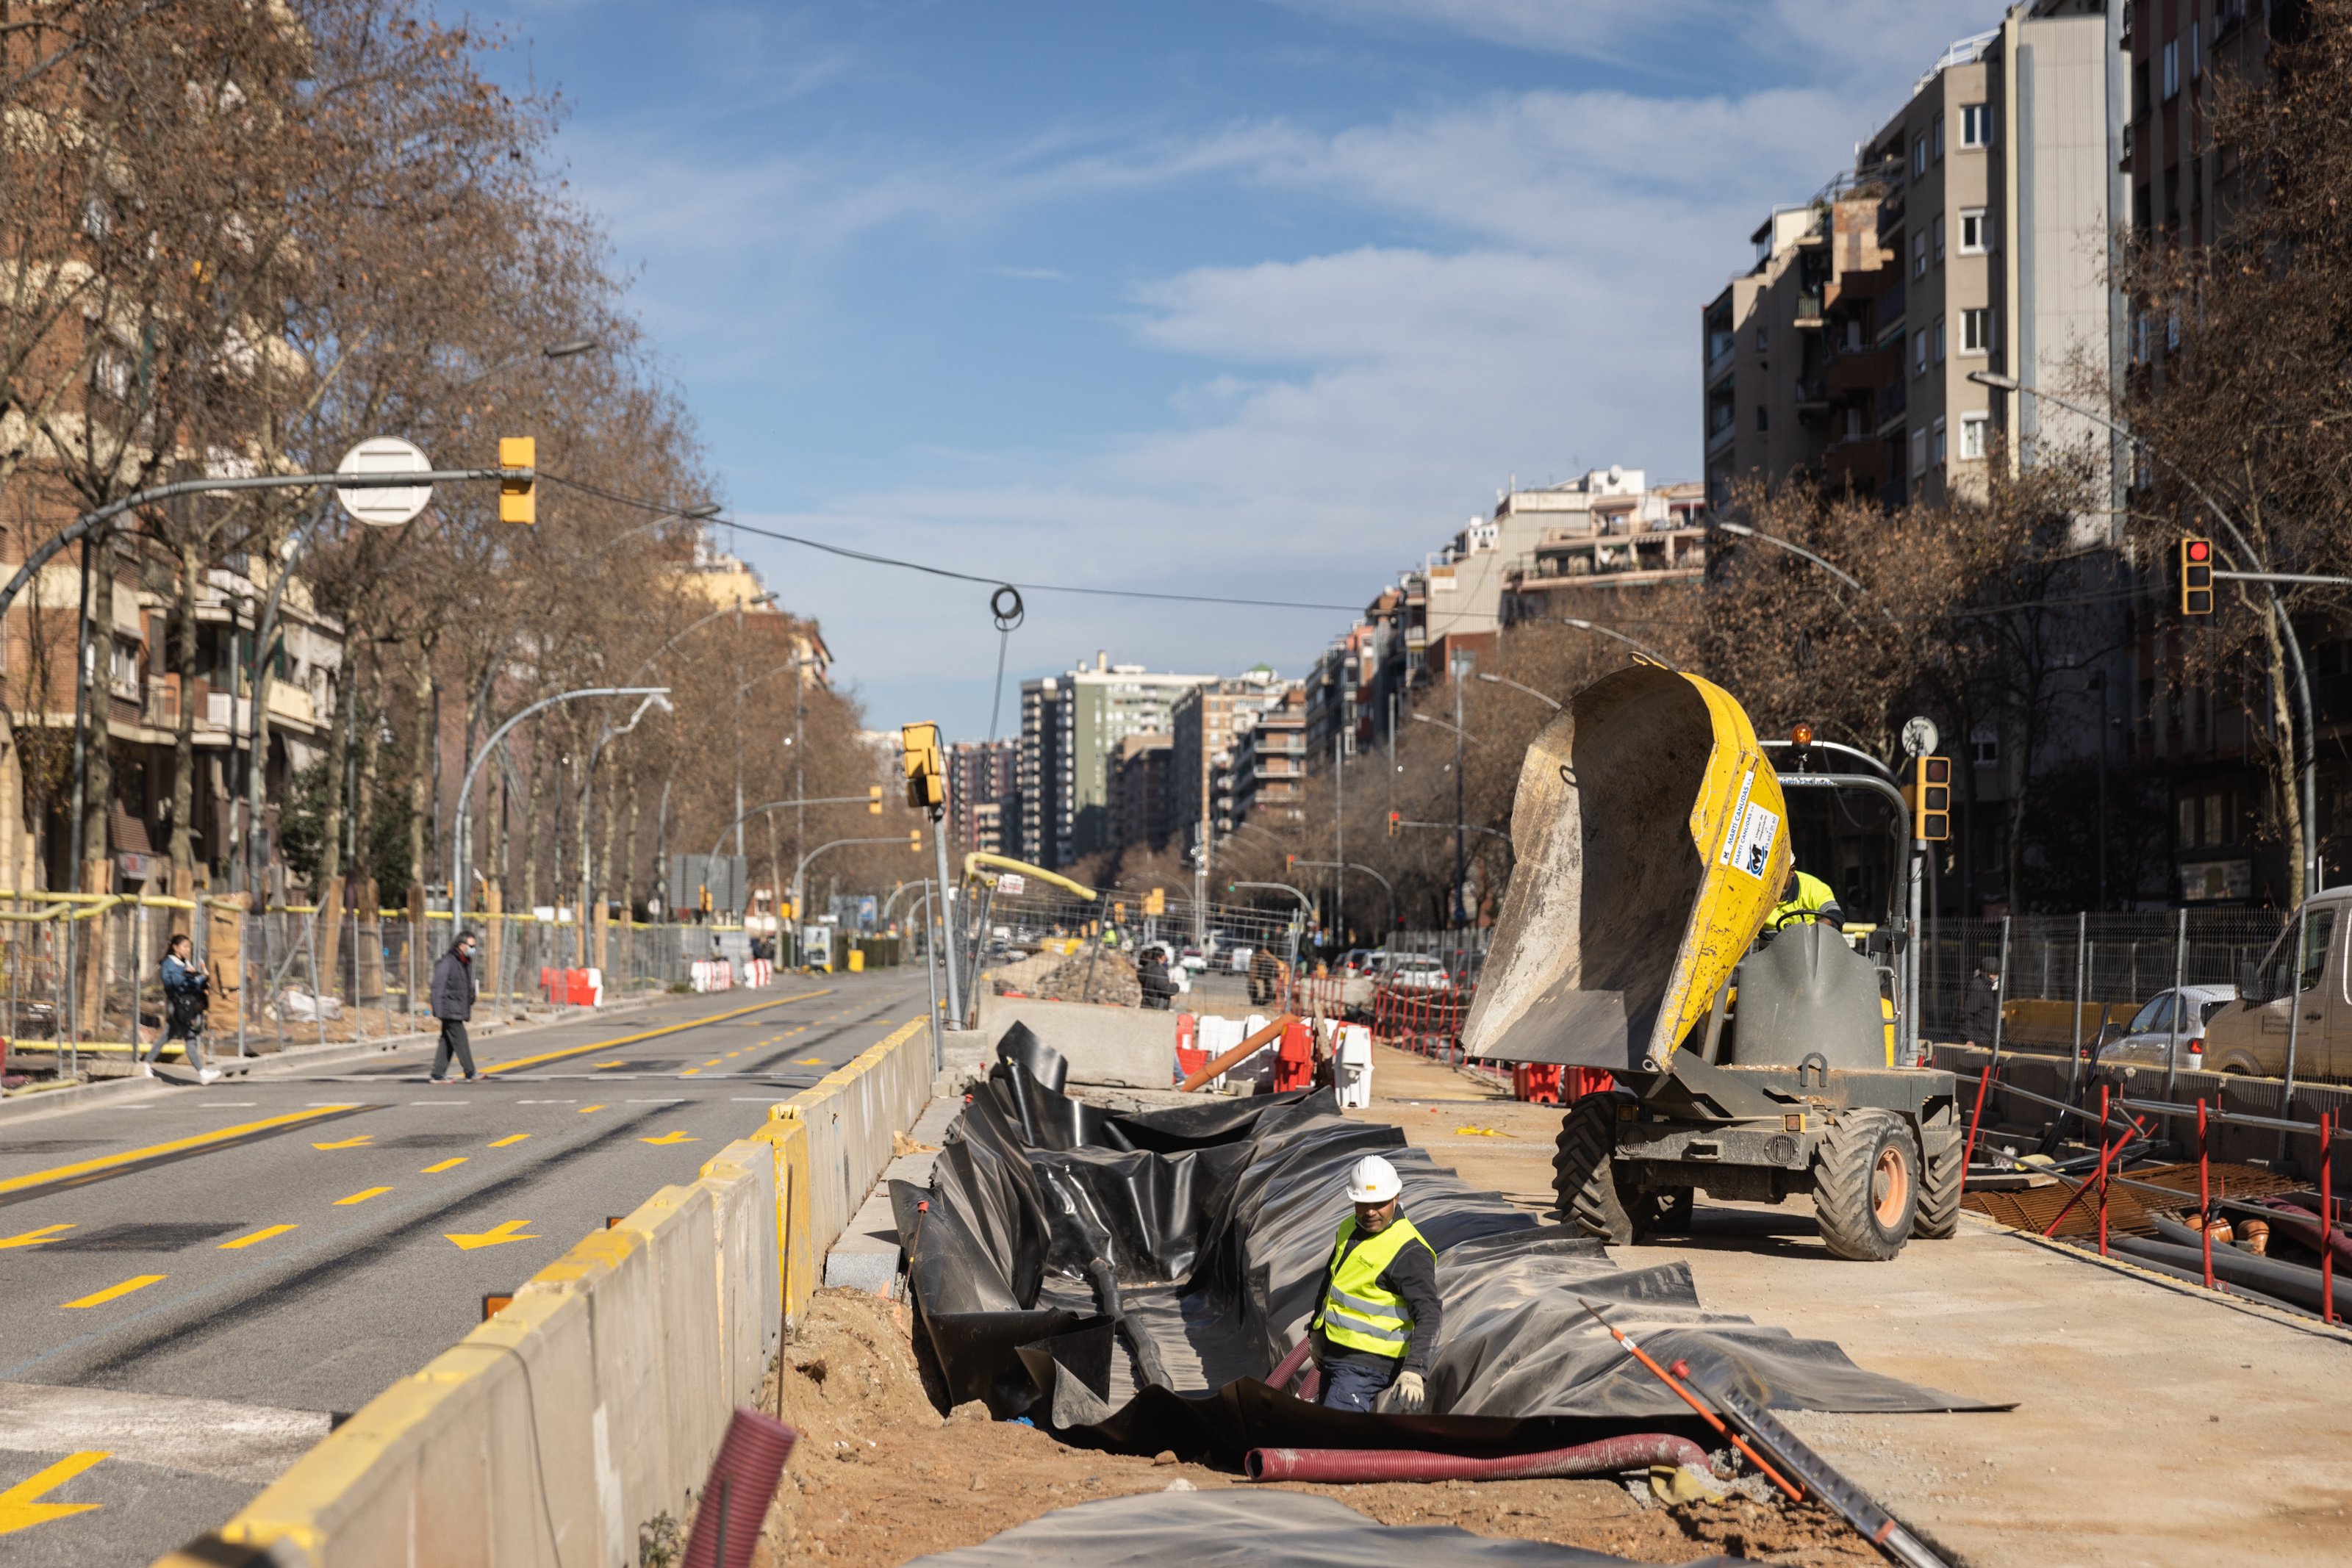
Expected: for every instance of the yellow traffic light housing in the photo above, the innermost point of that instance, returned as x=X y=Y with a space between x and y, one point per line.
x=1929 y=796
x=1156 y=901
x=927 y=779
x=874 y=799
x=1396 y=820
x=2196 y=576
x=519 y=456
x=915 y=840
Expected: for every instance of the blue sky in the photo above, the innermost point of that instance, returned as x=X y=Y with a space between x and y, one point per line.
x=1258 y=297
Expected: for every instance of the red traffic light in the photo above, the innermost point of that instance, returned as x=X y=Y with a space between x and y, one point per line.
x=2199 y=550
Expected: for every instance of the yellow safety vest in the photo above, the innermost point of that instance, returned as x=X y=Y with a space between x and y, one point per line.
x=1812 y=894
x=1358 y=1312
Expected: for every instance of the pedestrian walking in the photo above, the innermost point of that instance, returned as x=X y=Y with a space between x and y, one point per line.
x=187 y=989
x=453 y=1003
x=1982 y=1002
x=1264 y=977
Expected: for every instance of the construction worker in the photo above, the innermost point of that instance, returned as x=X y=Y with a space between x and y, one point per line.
x=1377 y=1313
x=1804 y=898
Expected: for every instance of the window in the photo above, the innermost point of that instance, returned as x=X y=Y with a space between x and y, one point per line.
x=2188 y=824
x=1763 y=336
x=1975 y=430
x=1939 y=139
x=2171 y=329
x=2196 y=51
x=1919 y=256
x=1763 y=417
x=1920 y=354
x=1984 y=748
x=1975 y=125
x=1919 y=155
x=1918 y=452
x=1937 y=444
x=1939 y=236
x=1976 y=331
x=1976 y=236
x=1939 y=339
x=2214 y=815
x=2172 y=71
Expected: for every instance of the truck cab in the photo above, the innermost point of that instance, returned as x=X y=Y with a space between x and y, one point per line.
x=2301 y=989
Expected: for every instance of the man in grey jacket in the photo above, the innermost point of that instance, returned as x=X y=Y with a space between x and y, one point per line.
x=453 y=1004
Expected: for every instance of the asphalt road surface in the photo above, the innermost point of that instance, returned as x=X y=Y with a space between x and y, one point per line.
x=199 y=1280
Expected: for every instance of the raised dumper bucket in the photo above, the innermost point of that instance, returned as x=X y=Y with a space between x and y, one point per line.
x=1653 y=842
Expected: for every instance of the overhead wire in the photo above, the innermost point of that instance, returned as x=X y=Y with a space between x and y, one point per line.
x=873 y=559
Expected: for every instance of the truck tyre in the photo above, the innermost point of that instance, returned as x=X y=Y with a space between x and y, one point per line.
x=1940 y=1194
x=1866 y=1182
x=1581 y=1173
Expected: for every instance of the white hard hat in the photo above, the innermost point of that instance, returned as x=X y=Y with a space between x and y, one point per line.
x=1373 y=1180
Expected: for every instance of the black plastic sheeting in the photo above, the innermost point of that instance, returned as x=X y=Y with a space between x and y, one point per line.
x=1070 y=1256
x=1237 y=1529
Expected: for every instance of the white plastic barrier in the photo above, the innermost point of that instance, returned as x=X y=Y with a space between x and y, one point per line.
x=757 y=973
x=713 y=974
x=1354 y=1057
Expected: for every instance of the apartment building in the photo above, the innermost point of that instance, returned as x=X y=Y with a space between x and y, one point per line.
x=1601 y=535
x=1142 y=775
x=1205 y=723
x=1072 y=727
x=1269 y=761
x=983 y=776
x=1042 y=775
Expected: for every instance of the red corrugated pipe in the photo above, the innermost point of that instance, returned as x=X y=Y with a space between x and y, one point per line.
x=1610 y=1456
x=735 y=1498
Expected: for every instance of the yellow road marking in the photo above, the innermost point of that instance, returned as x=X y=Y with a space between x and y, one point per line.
x=363 y=1141
x=18 y=1511
x=690 y=1072
x=99 y=1298
x=651 y=1033
x=444 y=1165
x=46 y=1234
x=714 y=1062
x=585 y=1109
x=810 y=1061
x=670 y=1138
x=263 y=1234
x=177 y=1145
x=600 y=1066
x=509 y=1138
x=362 y=1195
x=498 y=1235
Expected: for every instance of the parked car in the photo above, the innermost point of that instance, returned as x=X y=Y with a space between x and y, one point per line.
x=2148 y=1036
x=1367 y=960
x=2250 y=1035
x=1238 y=959
x=1415 y=973
x=1192 y=960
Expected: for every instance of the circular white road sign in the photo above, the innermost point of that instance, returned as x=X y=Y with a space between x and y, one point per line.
x=1919 y=737
x=393 y=504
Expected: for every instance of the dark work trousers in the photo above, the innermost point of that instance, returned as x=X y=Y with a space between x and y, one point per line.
x=1354 y=1385
x=453 y=1038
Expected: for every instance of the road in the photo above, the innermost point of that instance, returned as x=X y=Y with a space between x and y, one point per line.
x=200 y=1280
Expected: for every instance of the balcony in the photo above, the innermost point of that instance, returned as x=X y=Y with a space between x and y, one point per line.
x=1808 y=310
x=1891 y=300
x=1893 y=399
x=1719 y=364
x=1862 y=371
x=1719 y=432
x=1812 y=395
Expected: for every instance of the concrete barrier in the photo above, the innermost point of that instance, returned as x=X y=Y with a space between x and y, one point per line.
x=1128 y=1046
x=596 y=1399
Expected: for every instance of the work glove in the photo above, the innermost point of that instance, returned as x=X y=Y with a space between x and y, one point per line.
x=1407 y=1396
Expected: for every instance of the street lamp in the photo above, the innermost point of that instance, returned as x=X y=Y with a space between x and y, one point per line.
x=1744 y=532
x=458 y=845
x=563 y=350
x=1506 y=681
x=701 y=514
x=1457 y=730
x=2310 y=747
x=1583 y=625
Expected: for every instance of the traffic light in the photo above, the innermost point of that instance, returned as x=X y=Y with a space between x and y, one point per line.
x=1290 y=861
x=2196 y=576
x=1930 y=797
x=1396 y=821
x=915 y=840
x=927 y=780
x=874 y=799
x=1156 y=901
x=1119 y=913
x=516 y=502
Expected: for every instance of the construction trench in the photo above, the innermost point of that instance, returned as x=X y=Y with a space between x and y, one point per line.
x=1091 y=1353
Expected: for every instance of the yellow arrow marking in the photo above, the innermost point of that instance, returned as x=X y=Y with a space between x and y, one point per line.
x=648 y=1034
x=360 y=1196
x=263 y=1234
x=444 y=1165
x=359 y=1143
x=505 y=1231
x=509 y=1138
x=47 y=1233
x=670 y=1138
x=585 y=1109
x=20 y=1512
x=156 y=1151
x=99 y=1298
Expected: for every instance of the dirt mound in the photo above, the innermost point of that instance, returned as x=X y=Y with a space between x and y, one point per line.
x=880 y=1476
x=1088 y=975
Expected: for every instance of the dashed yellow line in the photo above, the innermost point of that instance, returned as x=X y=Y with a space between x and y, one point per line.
x=99 y=1298
x=158 y=1151
x=362 y=1195
x=263 y=1234
x=652 y=1034
x=509 y=1138
x=444 y=1165
x=585 y=1109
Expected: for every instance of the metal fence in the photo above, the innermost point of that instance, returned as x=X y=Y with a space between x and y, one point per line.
x=80 y=978
x=2109 y=963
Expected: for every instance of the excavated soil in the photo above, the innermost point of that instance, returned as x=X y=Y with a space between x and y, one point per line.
x=880 y=1476
x=1088 y=975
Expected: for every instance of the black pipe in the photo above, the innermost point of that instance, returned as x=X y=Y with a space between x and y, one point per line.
x=2273 y=1276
